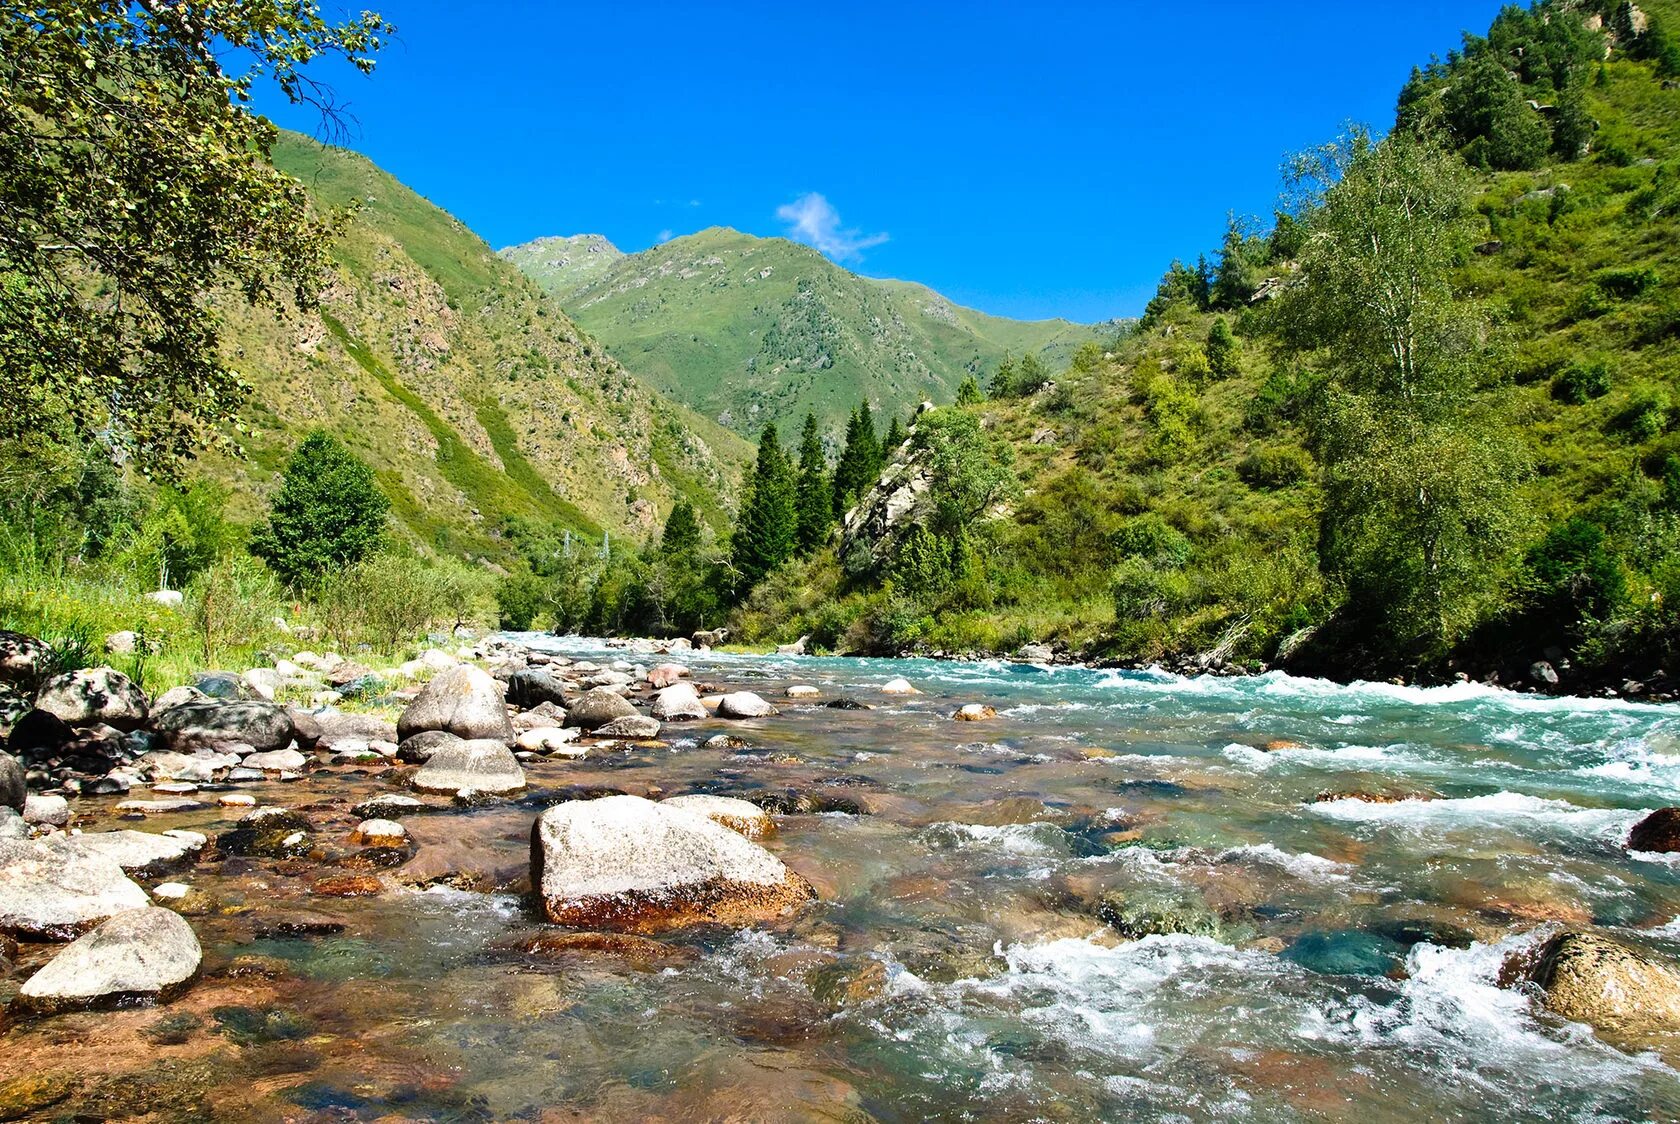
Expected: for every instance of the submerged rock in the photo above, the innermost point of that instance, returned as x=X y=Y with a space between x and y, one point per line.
x=461 y=700
x=145 y=953
x=630 y=864
x=1659 y=831
x=143 y=853
x=598 y=706
x=480 y=765
x=1611 y=987
x=270 y=833
x=93 y=695
x=744 y=704
x=53 y=889
x=974 y=712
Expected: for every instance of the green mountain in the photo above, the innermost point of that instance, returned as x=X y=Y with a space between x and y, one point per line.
x=747 y=330
x=482 y=406
x=1167 y=506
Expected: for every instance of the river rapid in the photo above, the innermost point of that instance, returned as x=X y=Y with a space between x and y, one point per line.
x=1111 y=901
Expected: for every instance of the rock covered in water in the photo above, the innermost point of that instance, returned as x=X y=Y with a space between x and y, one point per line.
x=14 y=788
x=53 y=889
x=625 y=863
x=262 y=726
x=270 y=833
x=461 y=700
x=630 y=726
x=598 y=706
x=479 y=765
x=678 y=703
x=744 y=704
x=740 y=816
x=1609 y=986
x=93 y=695
x=974 y=712
x=1659 y=831
x=140 y=953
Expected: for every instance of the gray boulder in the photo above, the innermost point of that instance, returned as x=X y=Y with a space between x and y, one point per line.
x=461 y=700
x=260 y=725
x=418 y=749
x=365 y=727
x=52 y=889
x=531 y=688
x=597 y=707
x=23 y=659
x=43 y=808
x=678 y=703
x=142 y=953
x=14 y=790
x=744 y=704
x=480 y=765
x=177 y=696
x=276 y=761
x=143 y=853
x=630 y=726
x=93 y=695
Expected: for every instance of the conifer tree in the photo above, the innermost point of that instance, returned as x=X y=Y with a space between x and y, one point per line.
x=968 y=394
x=766 y=534
x=1031 y=376
x=329 y=513
x=860 y=462
x=1221 y=350
x=815 y=501
x=894 y=438
x=1003 y=379
x=682 y=530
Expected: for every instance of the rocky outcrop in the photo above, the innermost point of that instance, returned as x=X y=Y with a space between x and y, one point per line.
x=874 y=526
x=598 y=706
x=479 y=765
x=142 y=953
x=461 y=700
x=53 y=890
x=632 y=865
x=94 y=695
x=1618 y=991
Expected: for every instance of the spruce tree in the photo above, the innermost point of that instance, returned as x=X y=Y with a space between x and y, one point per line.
x=682 y=530
x=874 y=457
x=860 y=462
x=1222 y=350
x=328 y=514
x=968 y=394
x=1003 y=379
x=815 y=503
x=767 y=531
x=894 y=438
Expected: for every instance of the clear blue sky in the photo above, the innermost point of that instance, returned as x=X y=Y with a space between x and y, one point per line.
x=1028 y=160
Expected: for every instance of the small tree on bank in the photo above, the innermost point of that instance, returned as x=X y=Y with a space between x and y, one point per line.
x=329 y=513
x=767 y=532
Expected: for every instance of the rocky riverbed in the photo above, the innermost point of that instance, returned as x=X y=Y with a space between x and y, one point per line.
x=535 y=878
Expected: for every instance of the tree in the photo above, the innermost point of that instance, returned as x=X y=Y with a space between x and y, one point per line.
x=328 y=514
x=1573 y=125
x=894 y=439
x=1031 y=376
x=1419 y=474
x=682 y=530
x=1002 y=383
x=968 y=394
x=134 y=184
x=1240 y=259
x=814 y=501
x=861 y=460
x=767 y=531
x=1222 y=350
x=968 y=468
x=1489 y=115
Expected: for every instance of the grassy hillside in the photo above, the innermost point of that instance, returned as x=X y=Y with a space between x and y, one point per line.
x=1168 y=510
x=747 y=330
x=480 y=404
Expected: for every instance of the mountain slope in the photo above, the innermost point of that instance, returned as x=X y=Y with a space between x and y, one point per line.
x=484 y=410
x=748 y=330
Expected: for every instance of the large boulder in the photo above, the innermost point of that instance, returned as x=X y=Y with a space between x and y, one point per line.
x=625 y=863
x=365 y=727
x=93 y=695
x=143 y=853
x=462 y=700
x=740 y=816
x=23 y=659
x=1611 y=987
x=53 y=889
x=744 y=704
x=597 y=707
x=1659 y=831
x=141 y=953
x=14 y=790
x=678 y=703
x=479 y=765
x=418 y=749
x=177 y=696
x=531 y=688
x=38 y=736
x=260 y=725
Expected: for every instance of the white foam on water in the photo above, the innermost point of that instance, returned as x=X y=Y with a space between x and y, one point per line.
x=1303 y=865
x=1512 y=810
x=1027 y=710
x=1035 y=840
x=1368 y=757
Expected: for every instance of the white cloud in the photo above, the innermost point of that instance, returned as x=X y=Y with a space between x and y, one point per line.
x=813 y=220
x=664 y=236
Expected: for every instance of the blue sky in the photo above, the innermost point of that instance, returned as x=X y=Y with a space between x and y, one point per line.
x=1026 y=160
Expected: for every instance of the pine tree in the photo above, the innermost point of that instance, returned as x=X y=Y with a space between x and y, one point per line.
x=766 y=534
x=860 y=462
x=968 y=394
x=1222 y=350
x=814 y=502
x=329 y=513
x=1003 y=379
x=895 y=437
x=875 y=457
x=682 y=530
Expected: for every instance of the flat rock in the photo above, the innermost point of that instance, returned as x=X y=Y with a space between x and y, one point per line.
x=744 y=704
x=479 y=765
x=628 y=864
x=159 y=807
x=552 y=740
x=630 y=726
x=53 y=889
x=196 y=768
x=276 y=760
x=145 y=952
x=93 y=695
x=143 y=853
x=461 y=700
x=678 y=703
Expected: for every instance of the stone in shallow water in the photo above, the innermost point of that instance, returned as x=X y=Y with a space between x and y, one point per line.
x=597 y=707
x=629 y=864
x=267 y=833
x=384 y=834
x=260 y=725
x=974 y=712
x=740 y=816
x=744 y=704
x=1659 y=831
x=159 y=807
x=802 y=691
x=276 y=760
x=630 y=726
x=482 y=765
x=388 y=806
x=678 y=702
x=552 y=739
x=1346 y=952
x=463 y=701
x=1623 y=993
x=139 y=953
x=143 y=853
x=898 y=687
x=41 y=808
x=54 y=889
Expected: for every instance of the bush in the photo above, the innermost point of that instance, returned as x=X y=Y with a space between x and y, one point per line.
x=1648 y=415
x=1572 y=572
x=1141 y=591
x=1151 y=539
x=520 y=596
x=1275 y=467
x=1581 y=382
x=232 y=605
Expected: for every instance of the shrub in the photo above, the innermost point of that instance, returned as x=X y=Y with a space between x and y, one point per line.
x=1581 y=382
x=232 y=605
x=1151 y=539
x=1572 y=570
x=519 y=598
x=1275 y=467
x=329 y=513
x=1141 y=590
x=1648 y=415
